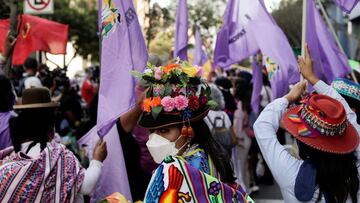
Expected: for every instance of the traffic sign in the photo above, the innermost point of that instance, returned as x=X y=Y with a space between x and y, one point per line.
x=39 y=6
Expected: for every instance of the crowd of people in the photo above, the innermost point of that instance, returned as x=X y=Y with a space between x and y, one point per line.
x=185 y=128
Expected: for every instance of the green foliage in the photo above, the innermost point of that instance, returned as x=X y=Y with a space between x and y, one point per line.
x=289 y=17
x=203 y=14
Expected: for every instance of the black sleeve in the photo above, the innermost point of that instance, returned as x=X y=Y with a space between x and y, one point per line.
x=132 y=155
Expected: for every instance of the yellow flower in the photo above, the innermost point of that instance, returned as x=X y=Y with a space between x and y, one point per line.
x=190 y=71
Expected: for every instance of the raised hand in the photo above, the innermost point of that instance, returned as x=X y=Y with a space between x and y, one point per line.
x=306 y=67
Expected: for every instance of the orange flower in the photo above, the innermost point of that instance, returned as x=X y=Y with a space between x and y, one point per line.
x=168 y=68
x=156 y=101
x=147 y=105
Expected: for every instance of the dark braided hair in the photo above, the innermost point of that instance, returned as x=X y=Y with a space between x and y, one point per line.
x=217 y=154
x=337 y=175
x=34 y=125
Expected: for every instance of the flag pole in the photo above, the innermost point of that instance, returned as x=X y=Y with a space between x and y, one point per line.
x=331 y=27
x=303 y=36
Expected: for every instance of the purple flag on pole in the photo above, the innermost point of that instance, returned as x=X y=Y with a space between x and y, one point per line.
x=257 y=81
x=347 y=5
x=248 y=28
x=200 y=56
x=123 y=49
x=181 y=31
x=329 y=61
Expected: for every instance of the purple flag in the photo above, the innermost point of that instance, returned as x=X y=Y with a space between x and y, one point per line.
x=257 y=81
x=181 y=31
x=113 y=175
x=329 y=61
x=347 y=5
x=123 y=49
x=248 y=28
x=200 y=56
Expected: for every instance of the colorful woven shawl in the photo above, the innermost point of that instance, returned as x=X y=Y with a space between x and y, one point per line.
x=175 y=181
x=54 y=176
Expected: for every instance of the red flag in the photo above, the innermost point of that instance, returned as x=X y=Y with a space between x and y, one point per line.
x=35 y=34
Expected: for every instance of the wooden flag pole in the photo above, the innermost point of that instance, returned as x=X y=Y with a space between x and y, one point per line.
x=303 y=35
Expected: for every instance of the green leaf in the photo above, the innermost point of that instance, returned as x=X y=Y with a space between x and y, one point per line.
x=167 y=90
x=151 y=66
x=155 y=111
x=149 y=92
x=183 y=79
x=212 y=104
x=148 y=78
x=208 y=92
x=136 y=74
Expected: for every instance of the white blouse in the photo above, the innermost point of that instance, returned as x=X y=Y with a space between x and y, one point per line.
x=283 y=166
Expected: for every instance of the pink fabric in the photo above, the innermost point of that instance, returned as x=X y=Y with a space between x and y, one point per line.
x=54 y=176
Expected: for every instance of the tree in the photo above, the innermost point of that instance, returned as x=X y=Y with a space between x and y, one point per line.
x=289 y=17
x=82 y=18
x=203 y=14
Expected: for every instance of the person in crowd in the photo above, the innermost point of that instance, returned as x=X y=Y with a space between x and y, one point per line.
x=30 y=78
x=266 y=93
x=7 y=99
x=327 y=134
x=179 y=135
x=46 y=171
x=243 y=132
x=88 y=89
x=219 y=122
x=350 y=91
x=225 y=86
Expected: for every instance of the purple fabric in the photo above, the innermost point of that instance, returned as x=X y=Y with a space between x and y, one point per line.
x=123 y=50
x=113 y=175
x=181 y=31
x=257 y=85
x=248 y=28
x=200 y=56
x=347 y=5
x=329 y=62
x=5 y=140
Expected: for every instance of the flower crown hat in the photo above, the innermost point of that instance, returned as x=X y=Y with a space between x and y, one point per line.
x=176 y=94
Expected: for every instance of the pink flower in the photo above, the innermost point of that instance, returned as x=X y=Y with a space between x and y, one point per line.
x=168 y=103
x=158 y=73
x=181 y=102
x=200 y=71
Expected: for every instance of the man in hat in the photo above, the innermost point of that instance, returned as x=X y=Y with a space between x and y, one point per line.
x=328 y=138
x=46 y=171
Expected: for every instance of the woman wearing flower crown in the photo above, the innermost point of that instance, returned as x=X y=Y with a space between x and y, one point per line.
x=327 y=135
x=192 y=164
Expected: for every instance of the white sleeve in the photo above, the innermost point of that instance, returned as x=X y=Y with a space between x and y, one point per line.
x=227 y=120
x=283 y=166
x=91 y=177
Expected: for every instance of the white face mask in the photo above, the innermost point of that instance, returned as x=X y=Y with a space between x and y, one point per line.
x=160 y=147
